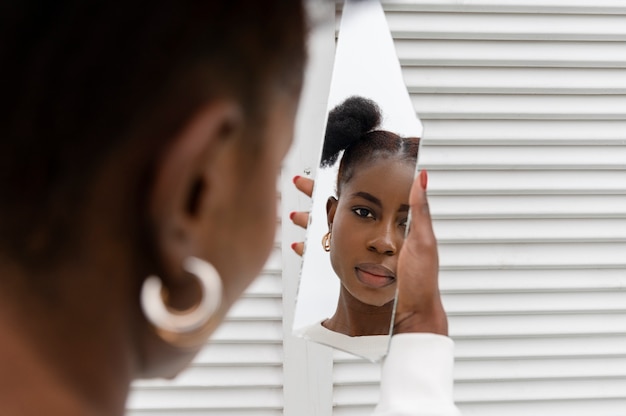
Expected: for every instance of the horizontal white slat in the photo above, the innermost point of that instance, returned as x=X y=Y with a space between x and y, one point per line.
x=347 y=395
x=529 y=256
x=353 y=410
x=450 y=25
x=487 y=326
x=519 y=106
x=525 y=281
x=525 y=132
x=267 y=284
x=582 y=407
x=525 y=157
x=557 y=205
x=538 y=389
x=530 y=303
x=237 y=354
x=356 y=372
x=544 y=346
x=181 y=411
x=274 y=262
x=521 y=6
x=519 y=53
x=257 y=308
x=517 y=182
x=540 y=368
x=171 y=397
x=249 y=331
x=518 y=80
x=531 y=230
x=237 y=376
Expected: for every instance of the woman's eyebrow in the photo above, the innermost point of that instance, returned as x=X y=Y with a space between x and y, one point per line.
x=376 y=201
x=369 y=197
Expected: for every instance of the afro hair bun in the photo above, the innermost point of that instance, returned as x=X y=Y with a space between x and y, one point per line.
x=347 y=123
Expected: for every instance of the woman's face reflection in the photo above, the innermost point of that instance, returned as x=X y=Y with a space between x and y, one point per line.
x=368 y=227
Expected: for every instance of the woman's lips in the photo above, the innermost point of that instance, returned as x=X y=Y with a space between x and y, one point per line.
x=374 y=275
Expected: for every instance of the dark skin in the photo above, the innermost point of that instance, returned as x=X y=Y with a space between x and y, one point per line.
x=79 y=346
x=354 y=318
x=368 y=224
x=419 y=307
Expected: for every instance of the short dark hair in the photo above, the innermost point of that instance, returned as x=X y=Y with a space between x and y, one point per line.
x=352 y=128
x=78 y=78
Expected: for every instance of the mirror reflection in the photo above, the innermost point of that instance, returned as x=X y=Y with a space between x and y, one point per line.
x=360 y=200
x=366 y=223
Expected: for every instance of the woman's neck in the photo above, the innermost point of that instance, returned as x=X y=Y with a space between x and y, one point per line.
x=355 y=318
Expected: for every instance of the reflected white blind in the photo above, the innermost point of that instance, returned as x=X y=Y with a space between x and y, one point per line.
x=524 y=112
x=239 y=373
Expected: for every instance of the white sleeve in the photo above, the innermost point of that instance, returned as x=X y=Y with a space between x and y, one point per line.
x=417 y=377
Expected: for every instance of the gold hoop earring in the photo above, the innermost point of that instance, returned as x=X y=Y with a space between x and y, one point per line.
x=326 y=242
x=173 y=324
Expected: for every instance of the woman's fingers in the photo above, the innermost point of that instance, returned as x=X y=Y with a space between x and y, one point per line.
x=421 y=227
x=419 y=307
x=298 y=248
x=304 y=185
x=299 y=218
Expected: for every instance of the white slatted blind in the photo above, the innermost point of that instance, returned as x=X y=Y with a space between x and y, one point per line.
x=524 y=112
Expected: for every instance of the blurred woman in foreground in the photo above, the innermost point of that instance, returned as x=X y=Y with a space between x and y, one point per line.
x=140 y=146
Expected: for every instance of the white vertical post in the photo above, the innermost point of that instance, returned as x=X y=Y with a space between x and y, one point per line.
x=307 y=367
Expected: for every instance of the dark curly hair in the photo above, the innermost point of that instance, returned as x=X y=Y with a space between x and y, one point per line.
x=81 y=79
x=352 y=128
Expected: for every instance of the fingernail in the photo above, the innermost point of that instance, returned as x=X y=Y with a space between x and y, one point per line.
x=424 y=179
x=292 y=214
x=295 y=178
x=293 y=246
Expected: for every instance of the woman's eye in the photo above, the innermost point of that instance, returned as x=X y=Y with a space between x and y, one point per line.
x=363 y=212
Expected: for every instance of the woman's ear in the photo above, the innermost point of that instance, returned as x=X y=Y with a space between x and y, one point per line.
x=331 y=208
x=179 y=171
x=184 y=180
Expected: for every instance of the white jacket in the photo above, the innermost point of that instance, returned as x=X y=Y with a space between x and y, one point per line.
x=417 y=377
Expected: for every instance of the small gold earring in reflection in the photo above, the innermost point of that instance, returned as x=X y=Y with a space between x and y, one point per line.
x=326 y=242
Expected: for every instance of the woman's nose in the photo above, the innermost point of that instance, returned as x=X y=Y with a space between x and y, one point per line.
x=384 y=240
